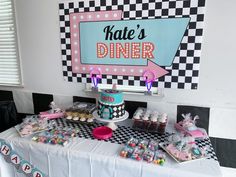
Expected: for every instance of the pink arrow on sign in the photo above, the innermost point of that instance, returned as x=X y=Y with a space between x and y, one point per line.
x=128 y=70
x=77 y=67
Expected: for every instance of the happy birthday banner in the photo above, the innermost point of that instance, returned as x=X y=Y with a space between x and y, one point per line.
x=129 y=47
x=21 y=165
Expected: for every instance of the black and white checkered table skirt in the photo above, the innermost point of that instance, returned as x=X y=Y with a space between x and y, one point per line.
x=123 y=133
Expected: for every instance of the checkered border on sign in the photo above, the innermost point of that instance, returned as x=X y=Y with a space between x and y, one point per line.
x=184 y=72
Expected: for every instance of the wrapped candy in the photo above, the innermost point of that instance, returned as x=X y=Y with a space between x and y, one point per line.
x=126 y=152
x=148 y=155
x=53 y=113
x=137 y=154
x=145 y=150
x=31 y=125
x=153 y=145
x=56 y=136
x=132 y=142
x=159 y=158
x=143 y=144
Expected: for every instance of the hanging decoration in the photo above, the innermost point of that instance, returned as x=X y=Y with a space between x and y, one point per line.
x=149 y=78
x=95 y=76
x=20 y=164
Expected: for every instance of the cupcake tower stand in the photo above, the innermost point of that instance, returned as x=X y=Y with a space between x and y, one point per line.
x=111 y=123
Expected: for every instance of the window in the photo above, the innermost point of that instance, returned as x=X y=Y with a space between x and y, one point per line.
x=9 y=58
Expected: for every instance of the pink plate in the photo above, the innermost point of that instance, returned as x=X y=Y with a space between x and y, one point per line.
x=102 y=133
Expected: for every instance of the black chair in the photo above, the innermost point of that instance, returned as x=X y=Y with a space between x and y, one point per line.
x=8 y=115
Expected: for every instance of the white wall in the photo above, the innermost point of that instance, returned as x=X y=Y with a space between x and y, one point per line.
x=39 y=41
x=38 y=31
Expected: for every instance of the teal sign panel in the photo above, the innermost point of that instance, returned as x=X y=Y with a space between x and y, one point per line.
x=131 y=42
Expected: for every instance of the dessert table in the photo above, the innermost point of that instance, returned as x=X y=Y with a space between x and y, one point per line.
x=87 y=157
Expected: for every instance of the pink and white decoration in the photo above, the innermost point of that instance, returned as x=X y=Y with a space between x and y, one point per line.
x=75 y=19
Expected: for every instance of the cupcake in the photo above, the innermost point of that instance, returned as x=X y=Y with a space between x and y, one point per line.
x=89 y=120
x=75 y=114
x=76 y=118
x=162 y=123
x=146 y=122
x=90 y=116
x=69 y=113
x=69 y=117
x=154 y=124
x=82 y=119
x=137 y=121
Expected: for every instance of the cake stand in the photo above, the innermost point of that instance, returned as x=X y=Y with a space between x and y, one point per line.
x=111 y=123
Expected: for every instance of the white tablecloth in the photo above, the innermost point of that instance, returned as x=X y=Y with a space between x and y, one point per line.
x=92 y=158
